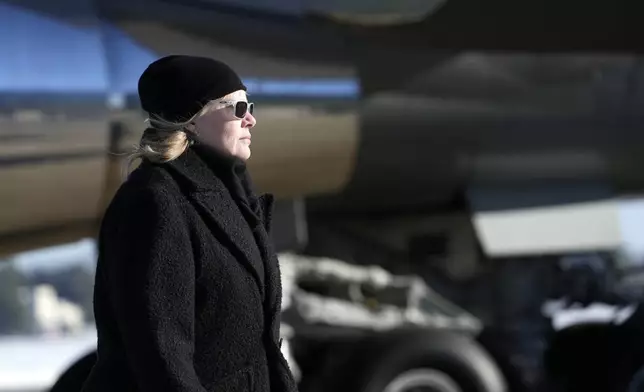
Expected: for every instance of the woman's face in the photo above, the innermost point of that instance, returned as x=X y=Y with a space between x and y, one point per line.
x=220 y=128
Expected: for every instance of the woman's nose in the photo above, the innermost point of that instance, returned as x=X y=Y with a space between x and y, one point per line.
x=249 y=121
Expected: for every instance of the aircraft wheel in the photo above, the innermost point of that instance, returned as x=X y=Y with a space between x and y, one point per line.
x=414 y=361
x=425 y=379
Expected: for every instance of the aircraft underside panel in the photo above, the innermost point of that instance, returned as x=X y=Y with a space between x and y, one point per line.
x=432 y=126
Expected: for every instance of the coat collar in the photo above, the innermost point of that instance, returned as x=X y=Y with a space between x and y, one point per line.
x=202 y=168
x=208 y=179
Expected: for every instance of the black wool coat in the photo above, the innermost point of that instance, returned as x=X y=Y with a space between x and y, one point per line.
x=187 y=295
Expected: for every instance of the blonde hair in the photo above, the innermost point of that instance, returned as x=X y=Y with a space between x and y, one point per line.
x=164 y=141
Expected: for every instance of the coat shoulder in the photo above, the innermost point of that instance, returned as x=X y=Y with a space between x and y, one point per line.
x=148 y=187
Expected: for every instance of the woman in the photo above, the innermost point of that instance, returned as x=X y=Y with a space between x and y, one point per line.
x=188 y=292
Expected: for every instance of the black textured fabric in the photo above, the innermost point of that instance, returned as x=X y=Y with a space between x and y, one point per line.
x=188 y=290
x=177 y=87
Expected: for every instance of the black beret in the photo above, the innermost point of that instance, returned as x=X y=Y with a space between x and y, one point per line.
x=177 y=87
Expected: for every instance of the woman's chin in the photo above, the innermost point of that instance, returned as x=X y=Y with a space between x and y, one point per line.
x=243 y=153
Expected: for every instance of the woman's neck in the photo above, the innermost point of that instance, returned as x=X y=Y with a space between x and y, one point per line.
x=230 y=169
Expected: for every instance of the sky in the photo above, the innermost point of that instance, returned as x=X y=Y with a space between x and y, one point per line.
x=81 y=252
x=48 y=54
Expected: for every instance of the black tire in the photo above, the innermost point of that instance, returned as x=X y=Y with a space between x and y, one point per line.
x=446 y=361
x=496 y=344
x=594 y=356
x=74 y=377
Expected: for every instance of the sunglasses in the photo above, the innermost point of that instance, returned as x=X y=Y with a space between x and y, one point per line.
x=241 y=107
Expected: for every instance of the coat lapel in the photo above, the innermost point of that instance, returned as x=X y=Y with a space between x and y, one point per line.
x=217 y=207
x=273 y=284
x=265 y=203
x=223 y=217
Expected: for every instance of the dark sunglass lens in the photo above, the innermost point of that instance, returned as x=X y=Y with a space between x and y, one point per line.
x=240 y=109
x=251 y=106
